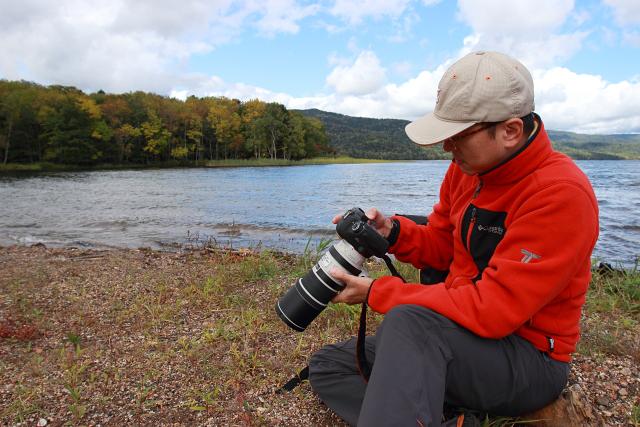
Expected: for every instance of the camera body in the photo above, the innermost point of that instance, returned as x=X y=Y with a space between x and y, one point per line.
x=355 y=229
x=311 y=293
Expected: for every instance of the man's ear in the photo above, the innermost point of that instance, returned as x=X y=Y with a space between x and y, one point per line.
x=511 y=132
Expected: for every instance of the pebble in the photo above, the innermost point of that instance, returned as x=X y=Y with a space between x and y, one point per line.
x=42 y=422
x=623 y=392
x=602 y=400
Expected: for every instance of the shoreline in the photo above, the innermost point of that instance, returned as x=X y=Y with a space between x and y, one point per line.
x=631 y=265
x=141 y=336
x=18 y=168
x=213 y=164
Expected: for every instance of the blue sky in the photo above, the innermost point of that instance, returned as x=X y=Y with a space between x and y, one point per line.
x=373 y=58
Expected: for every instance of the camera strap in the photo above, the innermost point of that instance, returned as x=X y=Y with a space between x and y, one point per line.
x=295 y=381
x=361 y=357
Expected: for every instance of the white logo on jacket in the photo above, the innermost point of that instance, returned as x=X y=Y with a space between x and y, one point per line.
x=528 y=256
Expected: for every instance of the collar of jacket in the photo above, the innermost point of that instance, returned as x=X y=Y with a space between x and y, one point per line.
x=524 y=161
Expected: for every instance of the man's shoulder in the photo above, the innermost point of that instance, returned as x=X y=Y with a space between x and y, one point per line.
x=559 y=168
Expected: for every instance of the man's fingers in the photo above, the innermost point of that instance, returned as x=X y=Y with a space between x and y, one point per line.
x=336 y=273
x=376 y=217
x=336 y=219
x=372 y=214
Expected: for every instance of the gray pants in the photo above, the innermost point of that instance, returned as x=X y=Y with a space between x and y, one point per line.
x=422 y=360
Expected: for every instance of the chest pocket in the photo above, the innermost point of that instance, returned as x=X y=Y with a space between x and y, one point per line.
x=481 y=232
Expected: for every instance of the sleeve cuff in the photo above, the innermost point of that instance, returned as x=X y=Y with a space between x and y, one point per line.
x=392 y=238
x=381 y=299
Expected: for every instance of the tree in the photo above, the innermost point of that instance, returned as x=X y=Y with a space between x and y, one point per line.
x=67 y=130
x=274 y=126
x=255 y=140
x=225 y=118
x=125 y=134
x=194 y=135
x=16 y=103
x=315 y=138
x=295 y=142
x=155 y=135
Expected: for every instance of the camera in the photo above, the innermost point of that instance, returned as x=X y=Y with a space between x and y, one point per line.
x=311 y=294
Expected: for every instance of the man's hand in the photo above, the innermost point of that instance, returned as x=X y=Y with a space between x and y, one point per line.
x=356 y=288
x=381 y=223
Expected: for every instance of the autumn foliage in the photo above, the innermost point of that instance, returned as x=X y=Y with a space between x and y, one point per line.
x=61 y=124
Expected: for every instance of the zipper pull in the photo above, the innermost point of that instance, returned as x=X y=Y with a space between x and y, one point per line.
x=478 y=188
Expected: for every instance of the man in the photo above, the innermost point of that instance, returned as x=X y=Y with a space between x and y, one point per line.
x=512 y=235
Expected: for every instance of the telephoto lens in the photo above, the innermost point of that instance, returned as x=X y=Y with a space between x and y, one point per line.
x=311 y=294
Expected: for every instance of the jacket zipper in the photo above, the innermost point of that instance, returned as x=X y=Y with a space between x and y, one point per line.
x=472 y=222
x=478 y=188
x=474 y=213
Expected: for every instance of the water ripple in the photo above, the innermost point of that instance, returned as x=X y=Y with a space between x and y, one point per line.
x=274 y=207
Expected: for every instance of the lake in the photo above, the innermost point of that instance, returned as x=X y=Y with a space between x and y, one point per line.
x=275 y=207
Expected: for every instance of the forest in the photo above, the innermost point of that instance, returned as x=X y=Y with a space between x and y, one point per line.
x=63 y=125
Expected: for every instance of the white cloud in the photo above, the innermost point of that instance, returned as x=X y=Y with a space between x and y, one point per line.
x=364 y=76
x=403 y=27
x=282 y=16
x=587 y=103
x=632 y=38
x=120 y=45
x=626 y=12
x=555 y=48
x=402 y=69
x=565 y=100
x=528 y=33
x=506 y=17
x=354 y=11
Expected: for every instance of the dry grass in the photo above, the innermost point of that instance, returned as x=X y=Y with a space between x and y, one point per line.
x=146 y=337
x=142 y=337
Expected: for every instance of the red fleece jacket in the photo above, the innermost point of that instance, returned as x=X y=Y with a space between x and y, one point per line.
x=535 y=281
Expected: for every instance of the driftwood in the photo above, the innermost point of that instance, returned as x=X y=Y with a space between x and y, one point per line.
x=571 y=409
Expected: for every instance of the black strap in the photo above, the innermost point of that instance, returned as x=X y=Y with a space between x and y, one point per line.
x=392 y=267
x=361 y=357
x=295 y=381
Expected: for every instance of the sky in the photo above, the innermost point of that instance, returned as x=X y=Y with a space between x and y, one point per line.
x=368 y=58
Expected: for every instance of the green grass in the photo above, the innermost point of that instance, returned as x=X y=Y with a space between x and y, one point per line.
x=611 y=323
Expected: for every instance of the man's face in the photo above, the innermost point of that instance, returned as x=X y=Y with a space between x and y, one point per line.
x=475 y=150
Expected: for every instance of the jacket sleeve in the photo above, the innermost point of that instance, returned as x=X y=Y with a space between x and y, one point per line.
x=559 y=225
x=428 y=245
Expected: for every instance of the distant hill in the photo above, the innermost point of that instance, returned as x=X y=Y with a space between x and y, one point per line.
x=385 y=139
x=372 y=138
x=582 y=146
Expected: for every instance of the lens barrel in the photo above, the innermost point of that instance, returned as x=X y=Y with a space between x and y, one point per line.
x=311 y=294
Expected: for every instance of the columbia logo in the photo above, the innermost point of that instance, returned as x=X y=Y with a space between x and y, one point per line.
x=528 y=256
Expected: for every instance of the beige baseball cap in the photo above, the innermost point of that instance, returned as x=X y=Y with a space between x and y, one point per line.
x=480 y=87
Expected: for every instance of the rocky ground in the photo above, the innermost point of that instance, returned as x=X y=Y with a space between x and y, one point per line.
x=142 y=337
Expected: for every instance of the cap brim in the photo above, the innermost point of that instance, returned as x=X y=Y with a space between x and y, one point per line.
x=429 y=130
